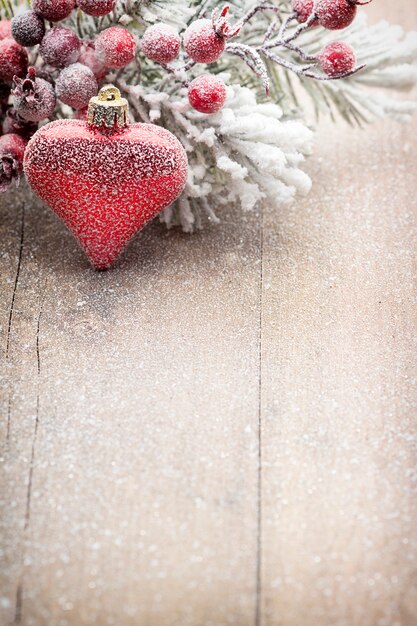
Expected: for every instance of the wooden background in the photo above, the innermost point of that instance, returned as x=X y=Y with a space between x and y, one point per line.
x=222 y=430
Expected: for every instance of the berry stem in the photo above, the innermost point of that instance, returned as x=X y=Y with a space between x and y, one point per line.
x=271 y=29
x=301 y=28
x=305 y=70
x=277 y=35
x=201 y=10
x=287 y=21
x=263 y=6
x=252 y=59
x=300 y=52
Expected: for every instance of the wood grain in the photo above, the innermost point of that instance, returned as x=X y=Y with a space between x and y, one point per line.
x=221 y=430
x=339 y=403
x=338 y=392
x=146 y=428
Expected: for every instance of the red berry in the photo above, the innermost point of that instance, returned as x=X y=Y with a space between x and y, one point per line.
x=96 y=7
x=33 y=97
x=207 y=93
x=75 y=85
x=303 y=9
x=13 y=59
x=337 y=58
x=88 y=57
x=12 y=150
x=53 y=10
x=161 y=43
x=28 y=28
x=13 y=123
x=5 y=29
x=336 y=14
x=115 y=47
x=60 y=47
x=4 y=92
x=202 y=43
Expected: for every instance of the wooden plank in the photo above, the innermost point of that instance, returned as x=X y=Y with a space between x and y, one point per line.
x=19 y=317
x=143 y=505
x=339 y=402
x=338 y=384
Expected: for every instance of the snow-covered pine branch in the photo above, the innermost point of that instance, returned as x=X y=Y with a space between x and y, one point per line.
x=389 y=55
x=246 y=152
x=267 y=167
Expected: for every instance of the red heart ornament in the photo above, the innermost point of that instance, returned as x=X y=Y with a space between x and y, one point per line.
x=105 y=184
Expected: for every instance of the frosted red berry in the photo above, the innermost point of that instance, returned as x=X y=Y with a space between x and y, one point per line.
x=60 y=47
x=12 y=150
x=33 y=97
x=89 y=58
x=337 y=58
x=4 y=92
x=75 y=85
x=28 y=28
x=207 y=93
x=96 y=7
x=5 y=29
x=303 y=10
x=115 y=47
x=161 y=43
x=336 y=14
x=13 y=59
x=53 y=10
x=202 y=43
x=13 y=123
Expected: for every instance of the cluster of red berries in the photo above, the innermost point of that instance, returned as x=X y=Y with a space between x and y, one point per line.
x=337 y=58
x=204 y=41
x=331 y=14
x=71 y=68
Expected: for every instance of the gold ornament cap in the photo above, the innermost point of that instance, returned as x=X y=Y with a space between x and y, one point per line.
x=108 y=109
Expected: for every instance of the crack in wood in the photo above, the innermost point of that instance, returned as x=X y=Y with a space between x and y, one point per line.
x=11 y=313
x=16 y=280
x=18 y=609
x=19 y=590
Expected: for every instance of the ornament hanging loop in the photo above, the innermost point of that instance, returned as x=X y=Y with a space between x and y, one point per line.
x=108 y=109
x=109 y=93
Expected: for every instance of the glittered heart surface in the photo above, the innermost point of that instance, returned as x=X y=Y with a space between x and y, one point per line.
x=105 y=186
